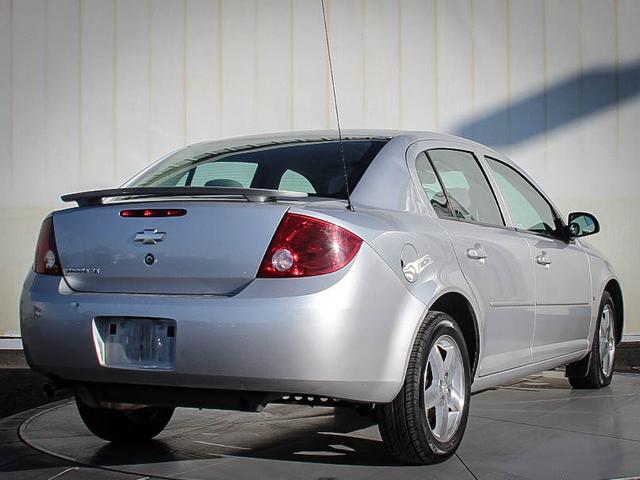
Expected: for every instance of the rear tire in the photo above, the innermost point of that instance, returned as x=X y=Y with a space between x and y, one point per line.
x=603 y=350
x=124 y=426
x=425 y=423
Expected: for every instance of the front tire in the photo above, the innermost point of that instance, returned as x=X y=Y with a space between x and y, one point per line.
x=124 y=426
x=603 y=350
x=425 y=423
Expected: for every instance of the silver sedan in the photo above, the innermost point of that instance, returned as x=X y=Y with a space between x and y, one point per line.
x=397 y=272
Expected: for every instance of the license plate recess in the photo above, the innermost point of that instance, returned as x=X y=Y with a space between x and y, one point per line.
x=135 y=343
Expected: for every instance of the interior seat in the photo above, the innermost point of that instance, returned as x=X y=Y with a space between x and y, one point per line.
x=223 y=182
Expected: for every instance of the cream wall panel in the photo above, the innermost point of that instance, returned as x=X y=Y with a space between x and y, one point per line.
x=239 y=67
x=132 y=89
x=455 y=62
x=490 y=62
x=203 y=74
x=346 y=27
x=599 y=50
x=564 y=62
x=527 y=67
x=9 y=285
x=382 y=64
x=62 y=103
x=274 y=79
x=97 y=88
x=628 y=140
x=168 y=76
x=312 y=107
x=29 y=160
x=527 y=47
x=599 y=131
x=91 y=91
x=6 y=123
x=418 y=67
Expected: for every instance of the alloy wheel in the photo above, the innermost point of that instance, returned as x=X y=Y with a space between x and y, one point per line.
x=444 y=383
x=607 y=341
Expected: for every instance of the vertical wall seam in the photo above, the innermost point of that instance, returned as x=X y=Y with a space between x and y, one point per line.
x=365 y=107
x=45 y=105
x=220 y=70
x=436 y=61
x=472 y=15
x=256 y=65
x=580 y=121
x=400 y=68
x=327 y=76
x=150 y=79
x=80 y=93
x=616 y=87
x=185 y=63
x=509 y=79
x=292 y=72
x=114 y=93
x=545 y=72
x=12 y=107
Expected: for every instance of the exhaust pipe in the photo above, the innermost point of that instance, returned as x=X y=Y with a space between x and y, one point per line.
x=49 y=390
x=57 y=389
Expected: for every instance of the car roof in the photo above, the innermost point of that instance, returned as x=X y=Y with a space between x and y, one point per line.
x=233 y=143
x=402 y=139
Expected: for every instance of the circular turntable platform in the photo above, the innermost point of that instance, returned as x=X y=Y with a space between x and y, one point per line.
x=539 y=428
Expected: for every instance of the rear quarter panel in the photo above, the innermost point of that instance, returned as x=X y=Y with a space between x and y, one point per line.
x=387 y=233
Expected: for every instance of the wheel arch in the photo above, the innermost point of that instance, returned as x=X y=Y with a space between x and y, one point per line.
x=614 y=289
x=458 y=306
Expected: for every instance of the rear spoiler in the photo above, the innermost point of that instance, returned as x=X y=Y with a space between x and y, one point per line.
x=96 y=197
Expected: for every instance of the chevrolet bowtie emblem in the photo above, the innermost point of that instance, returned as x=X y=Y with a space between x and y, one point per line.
x=150 y=236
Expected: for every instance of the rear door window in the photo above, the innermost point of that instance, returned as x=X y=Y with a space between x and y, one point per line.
x=466 y=186
x=432 y=186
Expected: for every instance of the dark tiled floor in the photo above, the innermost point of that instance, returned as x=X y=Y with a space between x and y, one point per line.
x=20 y=390
x=20 y=462
x=538 y=429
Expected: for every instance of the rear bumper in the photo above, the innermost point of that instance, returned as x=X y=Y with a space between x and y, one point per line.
x=345 y=335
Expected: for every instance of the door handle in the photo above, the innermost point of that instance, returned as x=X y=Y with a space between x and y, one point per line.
x=477 y=252
x=542 y=259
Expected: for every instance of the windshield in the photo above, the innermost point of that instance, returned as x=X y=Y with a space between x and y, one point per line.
x=313 y=167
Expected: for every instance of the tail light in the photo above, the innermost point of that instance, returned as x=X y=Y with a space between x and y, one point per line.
x=305 y=246
x=154 y=212
x=47 y=260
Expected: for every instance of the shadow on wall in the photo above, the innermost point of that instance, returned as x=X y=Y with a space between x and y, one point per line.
x=555 y=106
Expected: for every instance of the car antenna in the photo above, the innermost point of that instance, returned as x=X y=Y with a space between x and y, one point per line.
x=335 y=105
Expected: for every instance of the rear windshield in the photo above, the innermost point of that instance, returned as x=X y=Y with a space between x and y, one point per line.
x=314 y=168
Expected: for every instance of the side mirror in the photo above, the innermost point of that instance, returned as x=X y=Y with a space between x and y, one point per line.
x=582 y=224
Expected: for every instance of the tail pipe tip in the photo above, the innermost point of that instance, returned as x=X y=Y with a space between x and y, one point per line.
x=49 y=390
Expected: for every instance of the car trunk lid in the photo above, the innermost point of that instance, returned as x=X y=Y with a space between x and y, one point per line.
x=214 y=249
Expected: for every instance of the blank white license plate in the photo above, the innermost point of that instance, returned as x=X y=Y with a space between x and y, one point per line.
x=137 y=343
